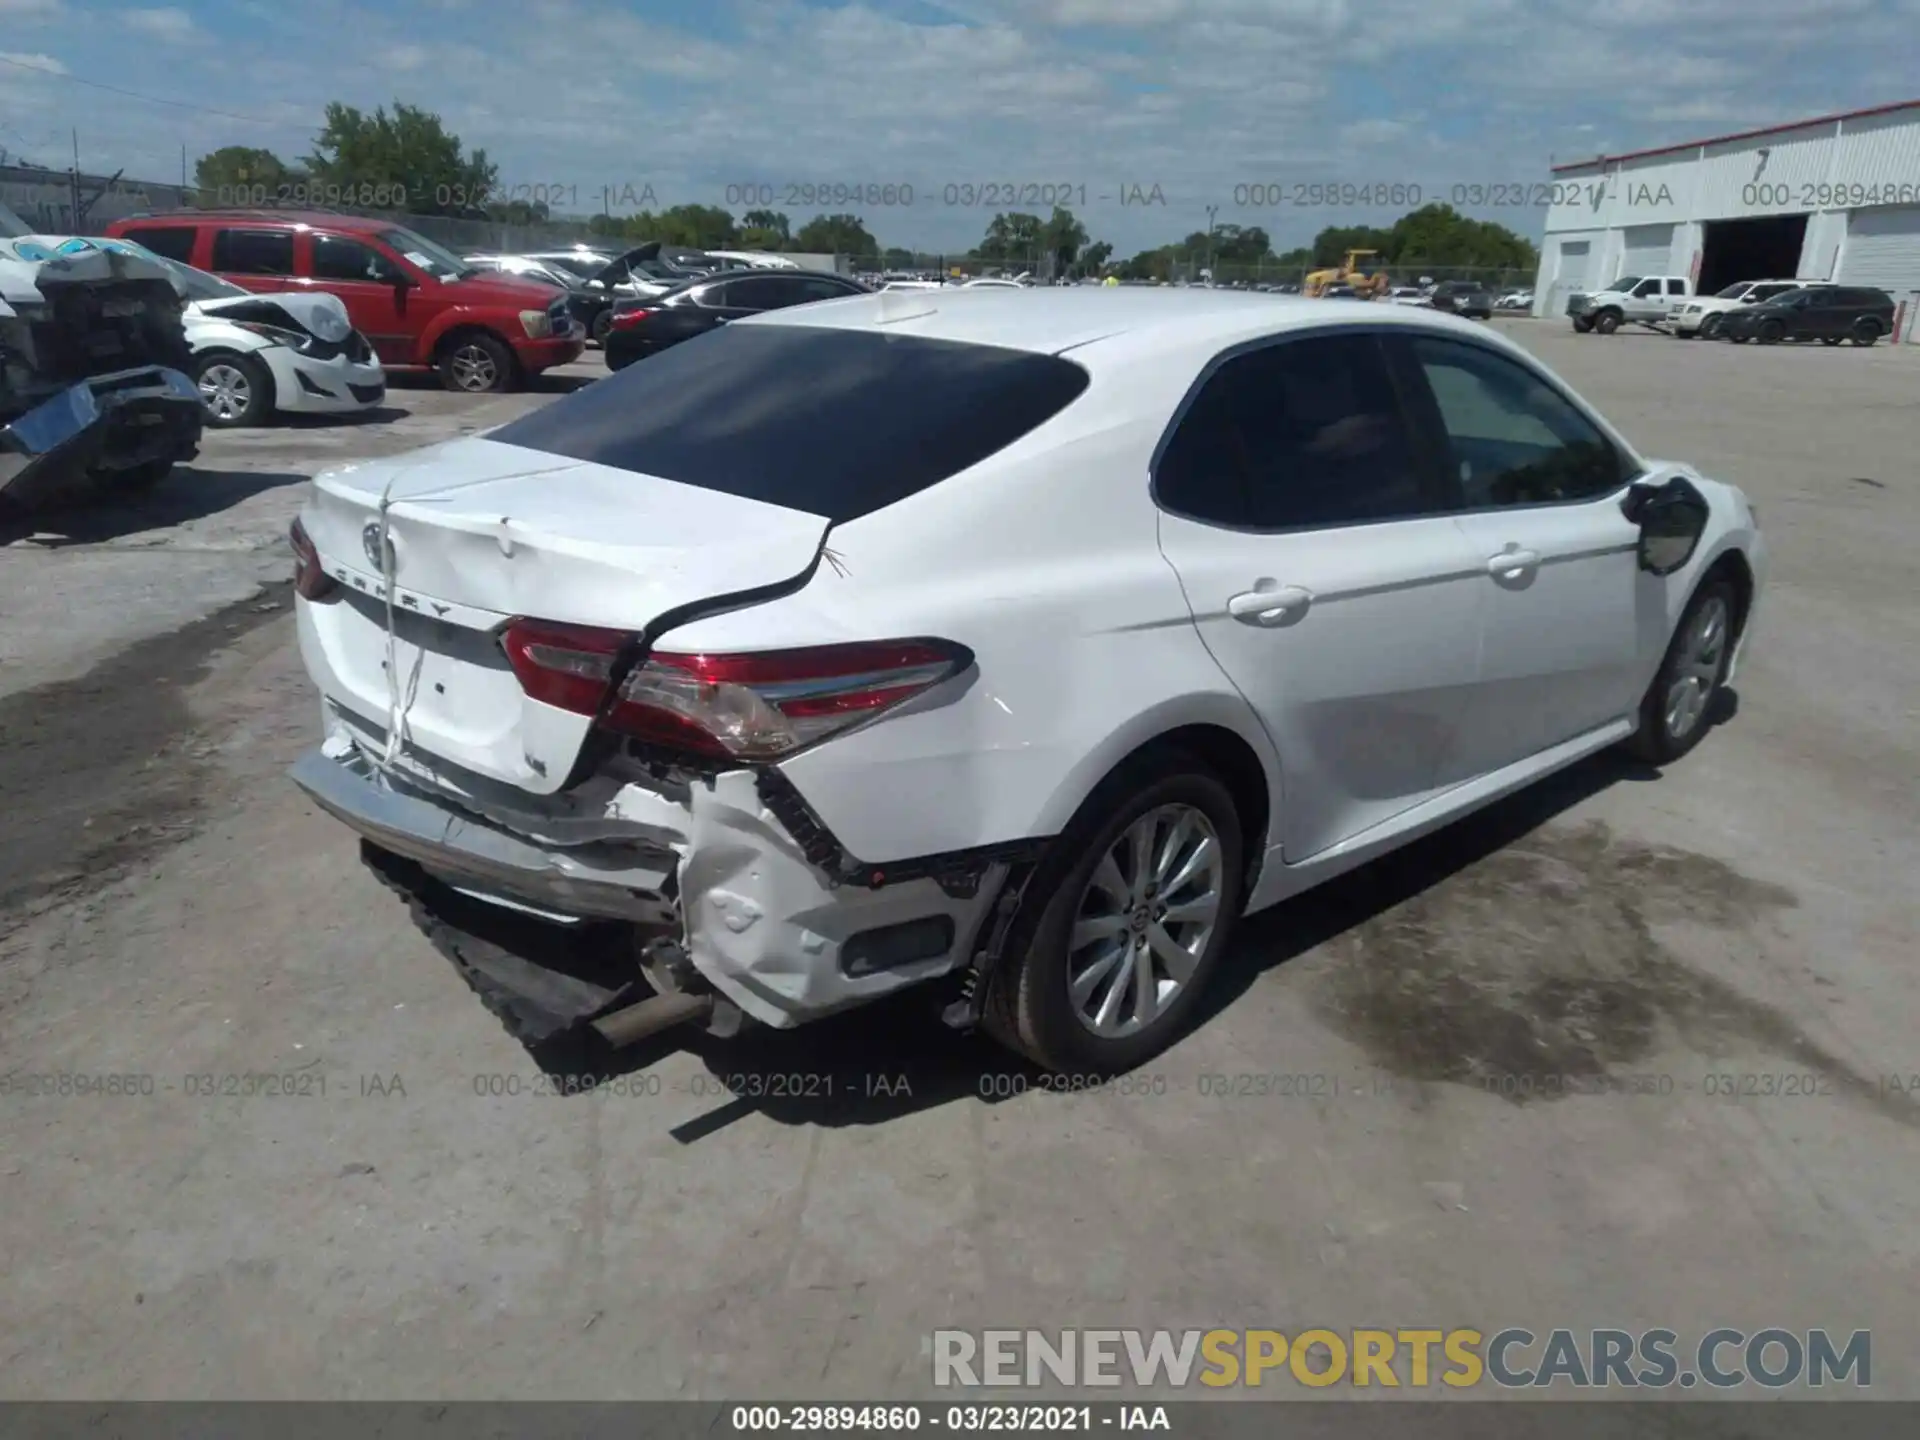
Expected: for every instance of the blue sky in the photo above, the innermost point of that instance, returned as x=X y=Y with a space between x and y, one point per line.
x=1199 y=98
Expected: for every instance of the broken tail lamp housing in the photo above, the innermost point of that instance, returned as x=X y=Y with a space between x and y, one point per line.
x=310 y=582
x=750 y=708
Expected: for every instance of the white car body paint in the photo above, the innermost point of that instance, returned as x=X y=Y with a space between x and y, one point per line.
x=329 y=381
x=1414 y=688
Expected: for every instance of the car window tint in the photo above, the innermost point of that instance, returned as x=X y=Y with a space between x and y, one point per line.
x=338 y=258
x=253 y=252
x=1515 y=439
x=1303 y=433
x=762 y=292
x=173 y=241
x=1676 y=287
x=820 y=289
x=836 y=423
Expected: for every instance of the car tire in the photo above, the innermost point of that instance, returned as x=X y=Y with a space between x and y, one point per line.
x=476 y=362
x=602 y=323
x=1582 y=325
x=1710 y=328
x=1772 y=332
x=237 y=390
x=1085 y=889
x=1606 y=322
x=1865 y=332
x=1672 y=722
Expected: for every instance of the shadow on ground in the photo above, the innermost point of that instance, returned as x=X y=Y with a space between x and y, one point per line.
x=1510 y=954
x=545 y=383
x=190 y=493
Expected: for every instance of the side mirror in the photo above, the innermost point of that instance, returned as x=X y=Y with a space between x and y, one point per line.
x=1672 y=517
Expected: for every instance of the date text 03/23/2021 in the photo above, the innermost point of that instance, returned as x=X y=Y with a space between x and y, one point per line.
x=973 y=1419
x=949 y=195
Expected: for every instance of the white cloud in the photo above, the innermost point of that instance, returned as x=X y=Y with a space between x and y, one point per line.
x=46 y=64
x=165 y=23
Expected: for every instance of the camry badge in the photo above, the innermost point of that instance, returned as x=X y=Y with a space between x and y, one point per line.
x=370 y=542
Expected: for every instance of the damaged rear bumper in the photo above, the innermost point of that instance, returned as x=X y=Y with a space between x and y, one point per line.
x=106 y=422
x=766 y=927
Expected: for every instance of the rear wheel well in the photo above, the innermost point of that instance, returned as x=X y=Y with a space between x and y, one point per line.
x=1229 y=757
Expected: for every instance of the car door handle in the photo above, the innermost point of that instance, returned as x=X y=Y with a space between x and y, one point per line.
x=1270 y=607
x=1510 y=563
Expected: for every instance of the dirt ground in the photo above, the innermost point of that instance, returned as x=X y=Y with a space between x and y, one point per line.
x=1479 y=1083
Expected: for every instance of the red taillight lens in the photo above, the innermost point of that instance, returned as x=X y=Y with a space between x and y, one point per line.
x=751 y=707
x=567 y=666
x=766 y=705
x=310 y=582
x=627 y=319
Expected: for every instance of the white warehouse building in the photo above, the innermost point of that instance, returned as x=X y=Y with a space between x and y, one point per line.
x=1834 y=198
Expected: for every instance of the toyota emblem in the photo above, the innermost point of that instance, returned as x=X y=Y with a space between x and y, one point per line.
x=370 y=542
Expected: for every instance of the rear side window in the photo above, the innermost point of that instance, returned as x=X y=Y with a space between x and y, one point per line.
x=836 y=423
x=253 y=252
x=173 y=241
x=1305 y=433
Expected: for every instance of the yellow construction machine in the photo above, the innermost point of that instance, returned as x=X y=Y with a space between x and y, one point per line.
x=1366 y=286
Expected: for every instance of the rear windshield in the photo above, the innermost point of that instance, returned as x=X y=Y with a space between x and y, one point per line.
x=837 y=423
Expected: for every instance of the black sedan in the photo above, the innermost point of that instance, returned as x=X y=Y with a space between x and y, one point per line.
x=640 y=327
x=1464 y=298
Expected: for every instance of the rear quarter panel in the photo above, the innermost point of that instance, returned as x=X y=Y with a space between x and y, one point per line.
x=1044 y=561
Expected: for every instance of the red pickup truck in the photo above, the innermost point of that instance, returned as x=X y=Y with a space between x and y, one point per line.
x=419 y=304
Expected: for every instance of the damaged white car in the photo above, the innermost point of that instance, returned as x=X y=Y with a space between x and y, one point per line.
x=284 y=352
x=1019 y=642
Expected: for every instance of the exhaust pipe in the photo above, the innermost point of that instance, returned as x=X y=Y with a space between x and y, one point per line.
x=651 y=1016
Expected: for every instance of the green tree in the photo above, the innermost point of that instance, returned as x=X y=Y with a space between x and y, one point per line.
x=698 y=227
x=1012 y=238
x=409 y=149
x=836 y=235
x=894 y=258
x=1093 y=259
x=765 y=230
x=242 y=175
x=1061 y=239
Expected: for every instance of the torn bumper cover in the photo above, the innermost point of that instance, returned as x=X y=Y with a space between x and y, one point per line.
x=759 y=922
x=104 y=423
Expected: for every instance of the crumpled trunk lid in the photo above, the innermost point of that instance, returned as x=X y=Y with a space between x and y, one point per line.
x=480 y=533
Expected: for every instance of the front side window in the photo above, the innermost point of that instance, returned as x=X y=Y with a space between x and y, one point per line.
x=1302 y=434
x=1514 y=439
x=253 y=252
x=335 y=257
x=436 y=260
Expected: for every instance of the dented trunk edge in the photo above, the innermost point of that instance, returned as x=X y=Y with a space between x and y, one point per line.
x=105 y=422
x=762 y=899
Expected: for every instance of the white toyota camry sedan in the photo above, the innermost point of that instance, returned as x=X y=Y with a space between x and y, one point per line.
x=1021 y=642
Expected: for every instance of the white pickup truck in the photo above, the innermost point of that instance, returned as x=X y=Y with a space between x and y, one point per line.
x=1648 y=300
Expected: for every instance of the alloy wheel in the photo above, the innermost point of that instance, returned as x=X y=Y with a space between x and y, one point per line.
x=1144 y=920
x=1697 y=669
x=226 y=392
x=473 y=368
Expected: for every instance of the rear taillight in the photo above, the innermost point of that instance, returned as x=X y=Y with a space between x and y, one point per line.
x=627 y=319
x=750 y=707
x=310 y=582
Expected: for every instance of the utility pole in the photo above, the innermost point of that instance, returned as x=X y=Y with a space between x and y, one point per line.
x=73 y=182
x=1212 y=210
